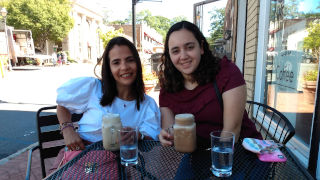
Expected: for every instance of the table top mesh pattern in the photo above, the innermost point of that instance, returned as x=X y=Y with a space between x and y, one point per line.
x=158 y=162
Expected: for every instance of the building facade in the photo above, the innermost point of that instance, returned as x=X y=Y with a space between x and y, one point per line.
x=82 y=43
x=149 y=41
x=272 y=44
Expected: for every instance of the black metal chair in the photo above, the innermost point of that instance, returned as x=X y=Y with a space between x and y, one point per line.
x=271 y=123
x=48 y=131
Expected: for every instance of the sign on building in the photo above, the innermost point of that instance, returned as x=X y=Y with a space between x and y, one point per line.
x=286 y=68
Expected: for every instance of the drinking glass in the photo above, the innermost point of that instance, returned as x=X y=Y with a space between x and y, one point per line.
x=128 y=145
x=222 y=144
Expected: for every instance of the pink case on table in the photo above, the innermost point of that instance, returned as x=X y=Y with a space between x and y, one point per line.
x=258 y=146
x=275 y=156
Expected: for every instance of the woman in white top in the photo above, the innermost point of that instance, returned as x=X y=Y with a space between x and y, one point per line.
x=121 y=91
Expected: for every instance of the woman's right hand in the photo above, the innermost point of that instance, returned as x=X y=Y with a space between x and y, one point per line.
x=72 y=139
x=166 y=139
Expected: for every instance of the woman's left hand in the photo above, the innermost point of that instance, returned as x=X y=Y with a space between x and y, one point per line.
x=165 y=138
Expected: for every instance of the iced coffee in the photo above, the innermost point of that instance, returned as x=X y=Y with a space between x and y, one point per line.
x=184 y=133
x=111 y=124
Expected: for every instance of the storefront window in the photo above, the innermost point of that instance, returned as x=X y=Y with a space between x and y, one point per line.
x=292 y=62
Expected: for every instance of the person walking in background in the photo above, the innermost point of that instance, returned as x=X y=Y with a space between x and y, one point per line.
x=54 y=58
x=63 y=57
x=59 y=59
x=188 y=76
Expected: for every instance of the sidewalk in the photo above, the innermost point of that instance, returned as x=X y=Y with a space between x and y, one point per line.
x=14 y=167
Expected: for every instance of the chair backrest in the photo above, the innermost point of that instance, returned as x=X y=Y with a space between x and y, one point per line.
x=48 y=131
x=271 y=123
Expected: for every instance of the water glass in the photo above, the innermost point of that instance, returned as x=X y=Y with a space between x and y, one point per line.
x=128 y=145
x=222 y=144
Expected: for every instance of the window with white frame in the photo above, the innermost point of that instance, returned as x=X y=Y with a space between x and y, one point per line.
x=287 y=65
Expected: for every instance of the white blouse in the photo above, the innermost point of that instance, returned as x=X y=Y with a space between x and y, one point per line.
x=82 y=95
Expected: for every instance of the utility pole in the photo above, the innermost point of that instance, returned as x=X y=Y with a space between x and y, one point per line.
x=134 y=2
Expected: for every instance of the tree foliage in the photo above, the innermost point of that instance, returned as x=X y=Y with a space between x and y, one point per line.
x=291 y=9
x=111 y=33
x=159 y=23
x=313 y=14
x=118 y=22
x=312 y=41
x=216 y=25
x=48 y=20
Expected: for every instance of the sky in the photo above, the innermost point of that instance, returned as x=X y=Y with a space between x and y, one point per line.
x=309 y=5
x=119 y=9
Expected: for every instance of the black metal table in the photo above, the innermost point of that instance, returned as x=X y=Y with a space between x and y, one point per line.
x=158 y=162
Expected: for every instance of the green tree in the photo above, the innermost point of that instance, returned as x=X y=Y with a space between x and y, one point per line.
x=291 y=10
x=120 y=22
x=48 y=20
x=288 y=10
x=111 y=33
x=159 y=23
x=312 y=41
x=216 y=25
x=177 y=19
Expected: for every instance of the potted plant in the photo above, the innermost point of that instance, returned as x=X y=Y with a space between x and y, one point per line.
x=310 y=83
x=150 y=80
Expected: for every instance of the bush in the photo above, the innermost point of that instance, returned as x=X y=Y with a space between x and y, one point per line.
x=311 y=75
x=72 y=60
x=150 y=76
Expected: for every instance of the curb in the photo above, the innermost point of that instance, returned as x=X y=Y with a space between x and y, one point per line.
x=6 y=159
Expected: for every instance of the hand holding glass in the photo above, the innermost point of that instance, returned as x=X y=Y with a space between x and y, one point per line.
x=222 y=143
x=128 y=146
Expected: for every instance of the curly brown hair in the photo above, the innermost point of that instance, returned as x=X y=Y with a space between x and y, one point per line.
x=171 y=79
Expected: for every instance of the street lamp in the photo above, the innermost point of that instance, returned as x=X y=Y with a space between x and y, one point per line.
x=4 y=12
x=4 y=15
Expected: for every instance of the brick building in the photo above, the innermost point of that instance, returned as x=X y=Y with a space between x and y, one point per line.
x=149 y=41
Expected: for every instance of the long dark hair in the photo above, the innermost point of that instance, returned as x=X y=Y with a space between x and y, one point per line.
x=109 y=88
x=171 y=79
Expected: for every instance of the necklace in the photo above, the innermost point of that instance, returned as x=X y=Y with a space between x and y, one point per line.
x=124 y=103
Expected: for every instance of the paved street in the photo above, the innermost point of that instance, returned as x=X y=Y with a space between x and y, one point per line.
x=22 y=92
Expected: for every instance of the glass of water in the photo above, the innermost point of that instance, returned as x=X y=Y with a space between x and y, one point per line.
x=222 y=144
x=128 y=145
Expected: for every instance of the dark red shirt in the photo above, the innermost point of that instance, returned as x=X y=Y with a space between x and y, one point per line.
x=203 y=102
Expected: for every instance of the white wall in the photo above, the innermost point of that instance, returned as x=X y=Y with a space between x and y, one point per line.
x=83 y=37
